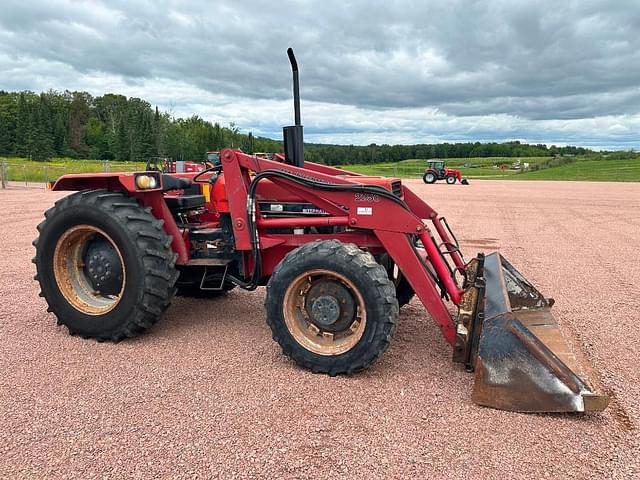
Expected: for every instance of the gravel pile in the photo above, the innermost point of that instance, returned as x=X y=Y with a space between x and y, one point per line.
x=207 y=393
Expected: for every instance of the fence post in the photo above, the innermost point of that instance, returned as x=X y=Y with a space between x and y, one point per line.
x=3 y=174
x=24 y=172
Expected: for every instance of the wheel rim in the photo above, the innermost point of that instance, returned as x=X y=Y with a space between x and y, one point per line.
x=89 y=270
x=451 y=180
x=310 y=314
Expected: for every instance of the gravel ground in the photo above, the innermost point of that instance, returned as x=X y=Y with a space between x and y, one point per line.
x=207 y=393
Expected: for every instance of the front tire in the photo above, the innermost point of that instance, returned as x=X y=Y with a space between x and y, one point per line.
x=104 y=264
x=451 y=180
x=331 y=307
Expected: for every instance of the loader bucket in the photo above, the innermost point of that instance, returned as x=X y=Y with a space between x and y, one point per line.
x=464 y=181
x=520 y=358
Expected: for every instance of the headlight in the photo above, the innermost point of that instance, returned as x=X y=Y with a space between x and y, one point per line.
x=146 y=182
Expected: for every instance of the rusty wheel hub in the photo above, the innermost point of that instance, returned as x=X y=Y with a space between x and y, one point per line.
x=89 y=270
x=103 y=267
x=330 y=305
x=324 y=312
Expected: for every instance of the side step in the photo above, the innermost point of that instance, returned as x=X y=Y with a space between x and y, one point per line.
x=520 y=358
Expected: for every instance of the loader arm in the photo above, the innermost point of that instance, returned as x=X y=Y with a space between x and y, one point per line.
x=393 y=223
x=373 y=212
x=504 y=330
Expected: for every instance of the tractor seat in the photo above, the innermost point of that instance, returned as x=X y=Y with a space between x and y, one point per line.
x=183 y=203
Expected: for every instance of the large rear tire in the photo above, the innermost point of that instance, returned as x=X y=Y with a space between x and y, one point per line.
x=429 y=177
x=331 y=307
x=104 y=264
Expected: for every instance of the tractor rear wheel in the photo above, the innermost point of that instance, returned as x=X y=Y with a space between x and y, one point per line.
x=451 y=179
x=331 y=307
x=104 y=264
x=429 y=177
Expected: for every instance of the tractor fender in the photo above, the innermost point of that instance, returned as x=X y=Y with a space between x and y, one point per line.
x=125 y=182
x=92 y=181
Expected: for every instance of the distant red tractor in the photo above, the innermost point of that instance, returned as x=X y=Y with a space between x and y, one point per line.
x=168 y=165
x=438 y=171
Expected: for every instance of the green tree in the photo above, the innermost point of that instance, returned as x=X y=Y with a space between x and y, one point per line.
x=41 y=130
x=8 y=113
x=122 y=150
x=78 y=115
x=24 y=127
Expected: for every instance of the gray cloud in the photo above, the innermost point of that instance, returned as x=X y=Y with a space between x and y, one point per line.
x=534 y=62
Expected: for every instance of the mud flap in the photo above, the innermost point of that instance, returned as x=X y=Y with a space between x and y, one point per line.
x=509 y=337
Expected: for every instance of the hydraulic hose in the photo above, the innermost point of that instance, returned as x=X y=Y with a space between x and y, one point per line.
x=251 y=212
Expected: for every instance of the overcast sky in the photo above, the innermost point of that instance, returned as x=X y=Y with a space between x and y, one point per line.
x=556 y=72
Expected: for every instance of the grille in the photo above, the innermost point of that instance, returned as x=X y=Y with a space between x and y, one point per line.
x=396 y=188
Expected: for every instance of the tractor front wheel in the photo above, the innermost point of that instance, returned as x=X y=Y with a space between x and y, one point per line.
x=104 y=264
x=451 y=179
x=331 y=307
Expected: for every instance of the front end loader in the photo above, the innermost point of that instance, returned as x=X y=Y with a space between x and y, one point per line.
x=339 y=254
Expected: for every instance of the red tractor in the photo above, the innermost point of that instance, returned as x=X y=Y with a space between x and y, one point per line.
x=438 y=171
x=339 y=254
x=168 y=165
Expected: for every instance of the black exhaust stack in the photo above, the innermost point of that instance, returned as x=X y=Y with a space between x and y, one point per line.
x=293 y=136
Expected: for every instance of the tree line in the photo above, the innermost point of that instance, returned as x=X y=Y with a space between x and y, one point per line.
x=114 y=127
x=350 y=154
x=109 y=127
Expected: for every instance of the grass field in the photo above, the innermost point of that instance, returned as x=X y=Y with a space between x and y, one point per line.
x=483 y=167
x=22 y=170
x=582 y=169
x=589 y=170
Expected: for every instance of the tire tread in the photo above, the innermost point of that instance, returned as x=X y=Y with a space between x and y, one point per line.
x=152 y=244
x=383 y=317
